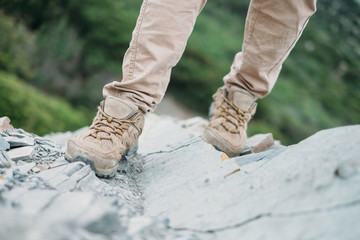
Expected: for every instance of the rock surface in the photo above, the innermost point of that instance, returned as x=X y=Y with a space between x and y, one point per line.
x=179 y=187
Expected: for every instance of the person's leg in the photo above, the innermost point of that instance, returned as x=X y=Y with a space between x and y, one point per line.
x=158 y=42
x=271 y=31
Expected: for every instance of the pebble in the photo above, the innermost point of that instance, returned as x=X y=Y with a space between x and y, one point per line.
x=258 y=143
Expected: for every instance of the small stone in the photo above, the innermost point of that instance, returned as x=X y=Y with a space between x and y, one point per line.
x=5 y=124
x=4 y=145
x=59 y=162
x=42 y=167
x=268 y=154
x=19 y=142
x=23 y=153
x=20 y=133
x=19 y=163
x=258 y=143
x=25 y=168
x=36 y=170
x=224 y=156
x=5 y=160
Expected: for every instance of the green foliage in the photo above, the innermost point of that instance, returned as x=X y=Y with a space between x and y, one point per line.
x=78 y=44
x=34 y=111
x=16 y=45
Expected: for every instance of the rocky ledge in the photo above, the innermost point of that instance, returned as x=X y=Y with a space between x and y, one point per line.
x=179 y=187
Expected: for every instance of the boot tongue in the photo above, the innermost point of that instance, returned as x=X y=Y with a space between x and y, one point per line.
x=118 y=108
x=241 y=98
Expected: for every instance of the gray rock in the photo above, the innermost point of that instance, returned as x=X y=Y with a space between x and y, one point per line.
x=23 y=153
x=80 y=207
x=33 y=201
x=68 y=206
x=14 y=193
x=25 y=168
x=58 y=175
x=11 y=178
x=123 y=187
x=4 y=145
x=71 y=182
x=18 y=132
x=58 y=180
x=255 y=157
x=36 y=169
x=323 y=224
x=179 y=187
x=19 y=163
x=47 y=152
x=16 y=141
x=195 y=125
x=311 y=179
x=5 y=160
x=136 y=224
x=40 y=167
x=59 y=162
x=157 y=139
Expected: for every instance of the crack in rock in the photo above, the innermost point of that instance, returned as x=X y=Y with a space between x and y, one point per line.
x=272 y=215
x=172 y=150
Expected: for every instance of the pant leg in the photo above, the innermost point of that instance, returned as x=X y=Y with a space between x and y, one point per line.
x=271 y=31
x=158 y=41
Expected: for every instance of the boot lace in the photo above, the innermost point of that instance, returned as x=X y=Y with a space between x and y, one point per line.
x=233 y=115
x=108 y=125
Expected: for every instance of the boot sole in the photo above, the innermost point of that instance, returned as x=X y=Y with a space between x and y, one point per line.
x=210 y=138
x=102 y=173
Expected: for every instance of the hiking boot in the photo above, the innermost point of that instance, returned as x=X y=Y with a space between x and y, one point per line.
x=230 y=114
x=114 y=131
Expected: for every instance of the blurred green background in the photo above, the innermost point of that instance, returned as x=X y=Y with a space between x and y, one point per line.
x=55 y=57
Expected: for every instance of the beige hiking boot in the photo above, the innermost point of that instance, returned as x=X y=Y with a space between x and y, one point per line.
x=114 y=131
x=230 y=115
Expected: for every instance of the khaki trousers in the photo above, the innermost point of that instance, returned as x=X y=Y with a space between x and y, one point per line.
x=163 y=27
